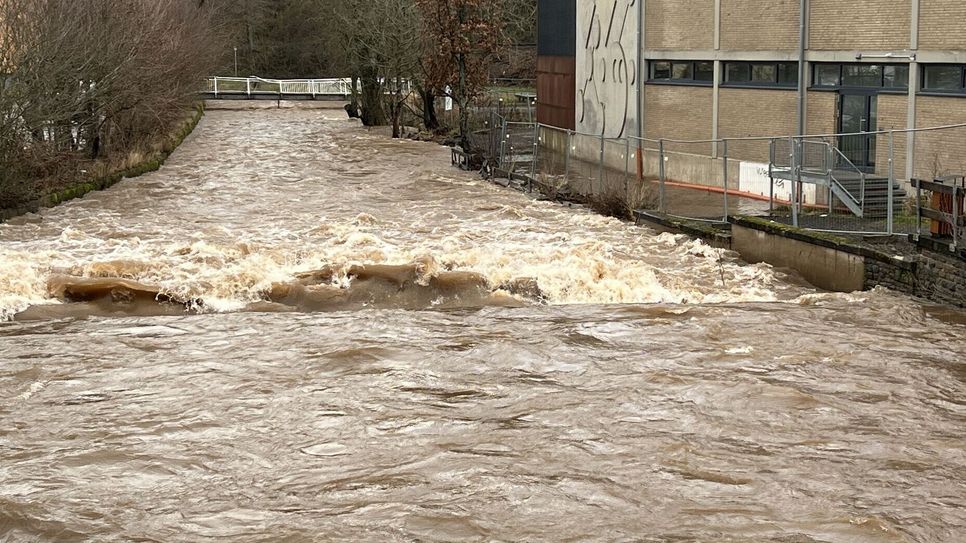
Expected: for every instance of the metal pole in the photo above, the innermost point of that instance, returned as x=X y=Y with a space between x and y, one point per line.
x=918 y=208
x=236 y=62
x=505 y=138
x=567 y=156
x=796 y=168
x=771 y=177
x=662 y=204
x=627 y=167
x=955 y=217
x=802 y=42
x=216 y=87
x=828 y=173
x=725 y=160
x=536 y=152
x=890 y=224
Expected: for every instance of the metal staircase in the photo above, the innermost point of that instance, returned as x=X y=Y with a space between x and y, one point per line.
x=820 y=163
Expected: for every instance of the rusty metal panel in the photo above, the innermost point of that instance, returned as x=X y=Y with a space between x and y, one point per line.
x=556 y=91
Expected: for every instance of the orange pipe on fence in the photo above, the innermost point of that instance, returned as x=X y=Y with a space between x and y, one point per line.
x=738 y=193
x=640 y=163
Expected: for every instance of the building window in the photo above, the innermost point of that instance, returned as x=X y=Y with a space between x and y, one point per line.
x=661 y=70
x=788 y=74
x=828 y=75
x=761 y=74
x=895 y=76
x=943 y=78
x=682 y=71
x=737 y=72
x=704 y=71
x=862 y=76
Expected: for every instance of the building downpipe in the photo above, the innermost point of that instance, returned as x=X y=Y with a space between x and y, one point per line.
x=802 y=88
x=640 y=89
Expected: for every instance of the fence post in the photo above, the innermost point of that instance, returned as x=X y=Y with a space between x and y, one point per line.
x=828 y=173
x=662 y=207
x=536 y=152
x=503 y=138
x=890 y=221
x=956 y=210
x=248 y=88
x=627 y=169
x=771 y=177
x=216 y=87
x=600 y=175
x=918 y=208
x=567 y=156
x=725 y=161
x=796 y=169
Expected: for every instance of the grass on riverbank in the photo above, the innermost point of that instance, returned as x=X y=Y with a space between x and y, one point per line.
x=18 y=199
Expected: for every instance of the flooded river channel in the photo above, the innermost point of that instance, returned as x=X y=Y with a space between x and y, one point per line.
x=300 y=331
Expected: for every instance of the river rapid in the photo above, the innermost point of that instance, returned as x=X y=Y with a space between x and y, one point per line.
x=298 y=330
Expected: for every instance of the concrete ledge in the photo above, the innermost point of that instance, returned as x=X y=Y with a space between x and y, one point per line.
x=942 y=247
x=716 y=234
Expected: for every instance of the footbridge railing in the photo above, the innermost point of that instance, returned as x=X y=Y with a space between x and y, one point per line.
x=291 y=89
x=255 y=87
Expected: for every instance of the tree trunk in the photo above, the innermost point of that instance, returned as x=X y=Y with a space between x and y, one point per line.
x=395 y=108
x=353 y=106
x=430 y=120
x=373 y=113
x=463 y=105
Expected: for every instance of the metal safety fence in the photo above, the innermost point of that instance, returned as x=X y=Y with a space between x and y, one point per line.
x=858 y=183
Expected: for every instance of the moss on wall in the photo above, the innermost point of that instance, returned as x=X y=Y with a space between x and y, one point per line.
x=80 y=188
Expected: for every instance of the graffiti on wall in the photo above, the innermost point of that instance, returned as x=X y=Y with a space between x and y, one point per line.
x=606 y=94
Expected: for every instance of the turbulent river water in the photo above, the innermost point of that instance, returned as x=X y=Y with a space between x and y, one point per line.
x=301 y=331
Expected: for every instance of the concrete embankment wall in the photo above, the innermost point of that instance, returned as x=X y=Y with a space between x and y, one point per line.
x=928 y=269
x=824 y=267
x=689 y=164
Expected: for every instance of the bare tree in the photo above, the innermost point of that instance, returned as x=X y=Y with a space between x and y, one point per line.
x=98 y=79
x=462 y=37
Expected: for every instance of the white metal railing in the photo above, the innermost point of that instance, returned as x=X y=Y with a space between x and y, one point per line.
x=258 y=86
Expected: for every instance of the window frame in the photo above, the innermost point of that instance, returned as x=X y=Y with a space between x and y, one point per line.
x=946 y=92
x=881 y=87
x=775 y=83
x=671 y=80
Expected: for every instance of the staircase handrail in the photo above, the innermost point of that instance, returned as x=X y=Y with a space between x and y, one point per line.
x=861 y=200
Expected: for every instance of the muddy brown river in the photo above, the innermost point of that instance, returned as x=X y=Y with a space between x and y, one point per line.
x=301 y=331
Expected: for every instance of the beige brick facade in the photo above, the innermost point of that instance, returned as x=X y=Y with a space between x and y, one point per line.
x=755 y=112
x=768 y=31
x=942 y=24
x=678 y=112
x=942 y=152
x=821 y=110
x=860 y=25
x=679 y=24
x=892 y=115
x=759 y=26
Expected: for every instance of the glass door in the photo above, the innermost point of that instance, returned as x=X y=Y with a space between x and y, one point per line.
x=858 y=119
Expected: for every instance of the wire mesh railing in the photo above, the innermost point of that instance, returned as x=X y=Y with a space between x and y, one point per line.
x=806 y=181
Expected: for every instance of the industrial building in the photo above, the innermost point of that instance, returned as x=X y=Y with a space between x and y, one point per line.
x=711 y=69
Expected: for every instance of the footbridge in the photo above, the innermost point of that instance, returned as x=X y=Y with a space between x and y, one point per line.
x=257 y=88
